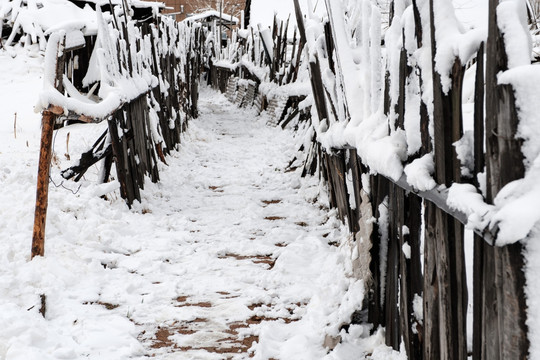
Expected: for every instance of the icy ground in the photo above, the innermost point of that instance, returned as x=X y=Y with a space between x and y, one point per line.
x=229 y=256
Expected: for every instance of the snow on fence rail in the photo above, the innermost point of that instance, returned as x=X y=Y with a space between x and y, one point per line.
x=139 y=76
x=416 y=133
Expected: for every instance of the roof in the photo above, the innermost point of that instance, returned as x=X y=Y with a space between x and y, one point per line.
x=211 y=15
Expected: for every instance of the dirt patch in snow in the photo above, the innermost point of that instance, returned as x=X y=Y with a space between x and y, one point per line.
x=256 y=259
x=107 y=305
x=269 y=202
x=274 y=218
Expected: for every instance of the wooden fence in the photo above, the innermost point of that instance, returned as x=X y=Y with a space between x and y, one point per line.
x=256 y=56
x=399 y=274
x=401 y=277
x=154 y=80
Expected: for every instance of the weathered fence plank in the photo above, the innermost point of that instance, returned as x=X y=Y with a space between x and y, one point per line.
x=479 y=163
x=504 y=334
x=395 y=220
x=448 y=241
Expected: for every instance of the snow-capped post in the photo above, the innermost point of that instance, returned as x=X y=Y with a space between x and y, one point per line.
x=275 y=47
x=265 y=40
x=334 y=31
x=425 y=137
x=54 y=61
x=314 y=71
x=504 y=333
x=445 y=285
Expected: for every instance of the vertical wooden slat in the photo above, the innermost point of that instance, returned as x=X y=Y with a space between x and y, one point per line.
x=450 y=294
x=478 y=261
x=411 y=281
x=459 y=297
x=314 y=70
x=403 y=73
x=357 y=187
x=504 y=335
x=327 y=164
x=379 y=191
x=392 y=321
x=337 y=178
x=432 y=346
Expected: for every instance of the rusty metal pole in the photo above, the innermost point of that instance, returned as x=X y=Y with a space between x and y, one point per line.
x=42 y=193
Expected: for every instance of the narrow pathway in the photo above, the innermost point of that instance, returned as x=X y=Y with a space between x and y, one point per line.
x=251 y=237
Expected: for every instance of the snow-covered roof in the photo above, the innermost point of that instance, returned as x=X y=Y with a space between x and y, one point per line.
x=77 y=18
x=210 y=14
x=52 y=15
x=133 y=3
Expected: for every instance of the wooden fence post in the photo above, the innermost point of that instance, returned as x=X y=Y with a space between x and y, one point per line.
x=45 y=154
x=314 y=71
x=504 y=334
x=445 y=285
x=42 y=193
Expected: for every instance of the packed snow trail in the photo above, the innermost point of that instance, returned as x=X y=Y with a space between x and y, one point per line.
x=253 y=249
x=229 y=256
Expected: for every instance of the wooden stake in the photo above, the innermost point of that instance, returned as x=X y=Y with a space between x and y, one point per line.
x=43 y=307
x=42 y=193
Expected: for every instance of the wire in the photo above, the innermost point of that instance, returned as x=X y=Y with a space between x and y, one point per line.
x=50 y=166
x=62 y=185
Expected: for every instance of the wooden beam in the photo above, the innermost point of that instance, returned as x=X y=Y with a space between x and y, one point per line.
x=42 y=192
x=45 y=154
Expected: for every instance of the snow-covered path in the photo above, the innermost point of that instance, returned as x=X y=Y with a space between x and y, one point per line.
x=229 y=256
x=247 y=238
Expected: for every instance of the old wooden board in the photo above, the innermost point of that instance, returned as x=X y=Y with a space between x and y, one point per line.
x=231 y=89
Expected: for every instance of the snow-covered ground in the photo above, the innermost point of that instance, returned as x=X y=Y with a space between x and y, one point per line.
x=229 y=256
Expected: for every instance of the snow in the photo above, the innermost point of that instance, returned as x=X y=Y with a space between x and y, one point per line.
x=118 y=84
x=114 y=276
x=513 y=24
x=227 y=226
x=406 y=248
x=517 y=213
x=419 y=173
x=453 y=40
x=525 y=82
x=53 y=15
x=514 y=214
x=532 y=290
x=464 y=151
x=418 y=308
